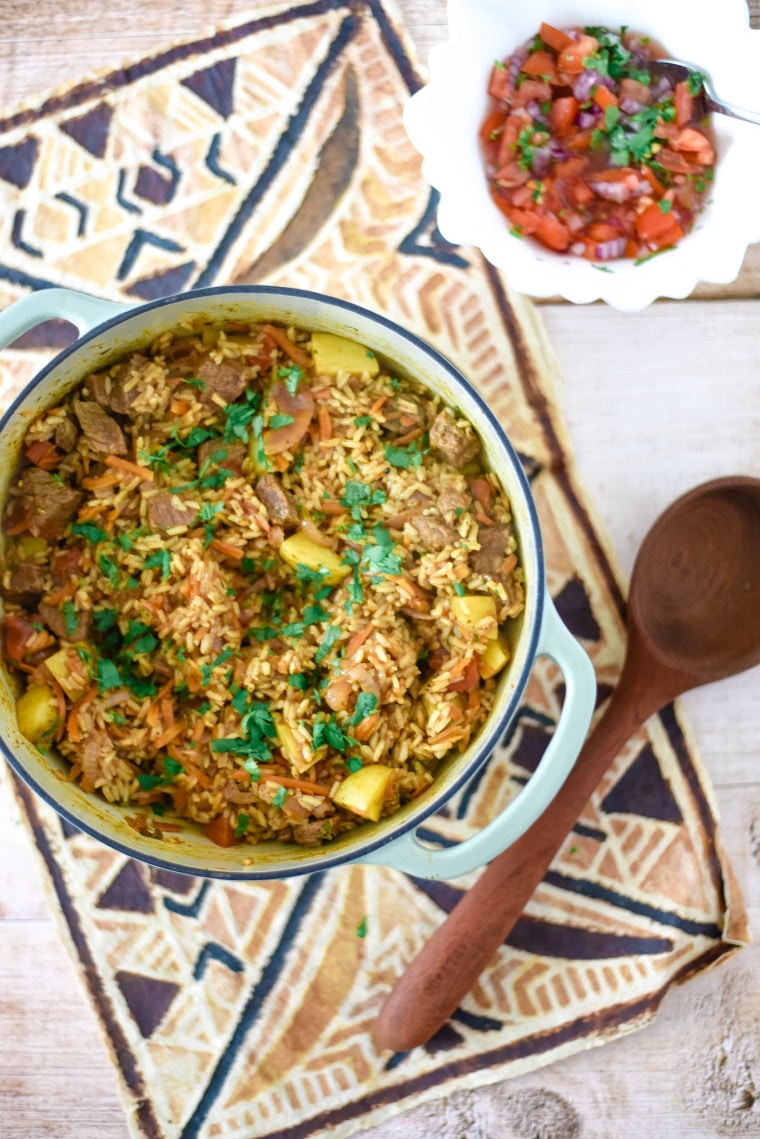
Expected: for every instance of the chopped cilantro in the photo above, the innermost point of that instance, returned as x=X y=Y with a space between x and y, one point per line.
x=361 y=929
x=406 y=457
x=695 y=82
x=292 y=375
x=104 y=619
x=328 y=733
x=352 y=466
x=125 y=541
x=665 y=207
x=109 y=569
x=252 y=767
x=159 y=459
x=70 y=618
x=240 y=701
x=194 y=382
x=258 y=728
x=241 y=825
x=280 y=796
x=173 y=767
x=363 y=420
x=208 y=510
x=89 y=531
x=208 y=669
x=365 y=706
x=357 y=496
x=247 y=565
x=281 y=421
x=298 y=680
x=332 y=632
x=162 y=560
x=204 y=708
x=354 y=764
x=459 y=589
x=194 y=437
x=380 y=560
x=107 y=675
x=238 y=416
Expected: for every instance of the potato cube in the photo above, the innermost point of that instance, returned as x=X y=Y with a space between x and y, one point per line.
x=473 y=608
x=71 y=671
x=300 y=550
x=37 y=713
x=363 y=791
x=333 y=354
x=497 y=654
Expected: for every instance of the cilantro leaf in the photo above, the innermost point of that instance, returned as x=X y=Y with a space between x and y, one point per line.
x=292 y=375
x=107 y=675
x=328 y=733
x=89 y=531
x=162 y=560
x=241 y=825
x=208 y=669
x=281 y=421
x=109 y=569
x=332 y=633
x=280 y=796
x=104 y=619
x=366 y=703
x=70 y=618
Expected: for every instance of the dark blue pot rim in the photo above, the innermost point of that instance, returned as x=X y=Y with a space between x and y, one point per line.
x=489 y=740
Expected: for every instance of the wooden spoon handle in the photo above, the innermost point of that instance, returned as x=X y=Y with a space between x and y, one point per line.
x=448 y=966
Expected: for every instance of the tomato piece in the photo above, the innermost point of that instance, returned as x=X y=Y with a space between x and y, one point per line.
x=562 y=114
x=554 y=38
x=532 y=90
x=221 y=831
x=467 y=680
x=524 y=220
x=508 y=139
x=604 y=98
x=498 y=85
x=601 y=231
x=653 y=180
x=684 y=101
x=580 y=141
x=690 y=139
x=552 y=232
x=673 y=161
x=41 y=453
x=491 y=123
x=571 y=167
x=571 y=57
x=655 y=227
x=582 y=194
x=541 y=64
x=17 y=635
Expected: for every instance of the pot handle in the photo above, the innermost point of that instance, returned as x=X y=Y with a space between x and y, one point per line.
x=83 y=311
x=409 y=854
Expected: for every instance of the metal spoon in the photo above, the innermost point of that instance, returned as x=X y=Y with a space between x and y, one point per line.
x=693 y=617
x=677 y=72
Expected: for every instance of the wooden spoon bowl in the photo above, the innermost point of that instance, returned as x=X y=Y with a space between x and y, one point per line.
x=693 y=617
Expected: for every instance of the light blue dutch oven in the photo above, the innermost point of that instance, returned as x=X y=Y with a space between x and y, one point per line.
x=110 y=329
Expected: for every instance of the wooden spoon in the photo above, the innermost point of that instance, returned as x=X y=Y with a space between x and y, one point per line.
x=693 y=617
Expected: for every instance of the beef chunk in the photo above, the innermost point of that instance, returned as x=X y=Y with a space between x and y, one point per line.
x=168 y=510
x=100 y=430
x=435 y=534
x=55 y=620
x=280 y=505
x=489 y=560
x=234 y=454
x=452 y=499
x=309 y=834
x=403 y=413
x=46 y=504
x=458 y=445
x=225 y=380
x=26 y=579
x=66 y=434
x=110 y=393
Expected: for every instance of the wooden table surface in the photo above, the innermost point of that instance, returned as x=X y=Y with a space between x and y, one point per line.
x=676 y=400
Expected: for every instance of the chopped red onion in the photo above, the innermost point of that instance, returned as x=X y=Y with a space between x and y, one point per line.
x=515 y=64
x=631 y=106
x=578 y=248
x=542 y=160
x=619 y=191
x=558 y=153
x=609 y=250
x=660 y=88
x=589 y=79
x=589 y=118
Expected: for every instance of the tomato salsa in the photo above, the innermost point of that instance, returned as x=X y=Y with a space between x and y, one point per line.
x=589 y=151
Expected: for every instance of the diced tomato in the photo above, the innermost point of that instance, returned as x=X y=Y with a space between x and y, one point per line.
x=571 y=57
x=604 y=98
x=553 y=233
x=554 y=38
x=601 y=231
x=498 y=87
x=652 y=225
x=491 y=123
x=580 y=141
x=632 y=89
x=673 y=161
x=653 y=181
x=582 y=194
x=631 y=249
x=541 y=64
x=571 y=167
x=562 y=113
x=17 y=635
x=532 y=90
x=467 y=680
x=221 y=831
x=690 y=139
x=684 y=105
x=524 y=220
x=666 y=130
x=508 y=140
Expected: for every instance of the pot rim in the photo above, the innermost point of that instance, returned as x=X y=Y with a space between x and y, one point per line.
x=489 y=736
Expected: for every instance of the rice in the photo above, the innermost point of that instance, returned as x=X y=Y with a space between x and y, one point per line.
x=242 y=572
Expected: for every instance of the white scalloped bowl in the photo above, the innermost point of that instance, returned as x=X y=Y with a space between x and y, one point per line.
x=442 y=121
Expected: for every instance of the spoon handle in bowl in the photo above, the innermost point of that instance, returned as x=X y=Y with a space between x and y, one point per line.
x=448 y=966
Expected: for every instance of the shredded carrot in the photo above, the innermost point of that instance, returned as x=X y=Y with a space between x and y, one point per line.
x=458 y=666
x=61 y=704
x=377 y=405
x=366 y=727
x=101 y=482
x=455 y=713
x=200 y=776
x=87 y=513
x=153 y=715
x=410 y=436
x=160 y=825
x=167 y=712
x=120 y=464
x=483 y=519
x=323 y=393
x=62 y=594
x=510 y=563
x=169 y=735
x=299 y=785
x=18 y=528
x=331 y=506
x=325 y=424
x=358 y=640
x=76 y=771
x=178 y=407
x=279 y=461
x=283 y=341
x=227 y=549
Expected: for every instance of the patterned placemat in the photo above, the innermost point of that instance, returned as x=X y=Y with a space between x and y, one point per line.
x=274 y=150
